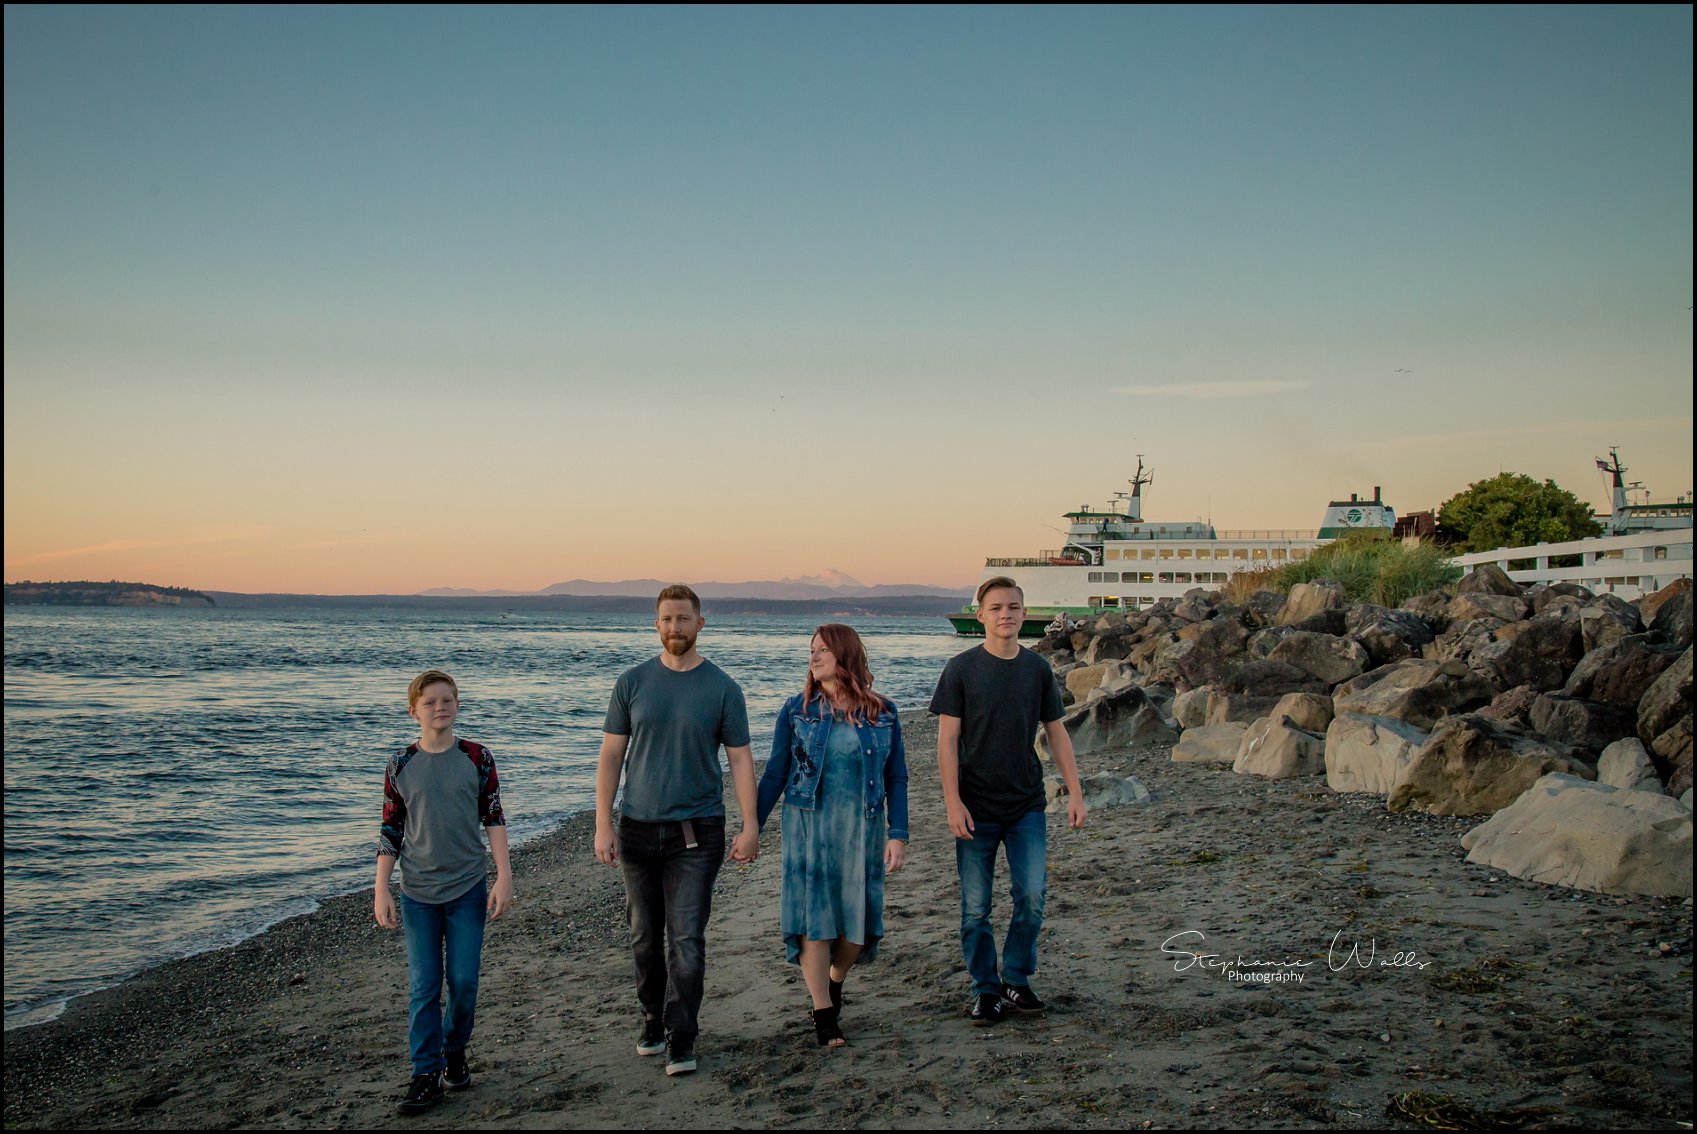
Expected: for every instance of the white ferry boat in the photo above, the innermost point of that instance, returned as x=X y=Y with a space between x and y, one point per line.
x=1116 y=560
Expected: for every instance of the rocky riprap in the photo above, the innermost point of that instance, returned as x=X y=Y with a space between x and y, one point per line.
x=1456 y=703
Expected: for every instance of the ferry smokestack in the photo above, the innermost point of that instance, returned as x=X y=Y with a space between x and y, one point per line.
x=1376 y=499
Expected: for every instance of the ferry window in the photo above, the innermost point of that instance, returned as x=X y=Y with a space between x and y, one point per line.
x=1111 y=600
x=1094 y=600
x=1146 y=577
x=1164 y=577
x=1258 y=553
x=1184 y=553
x=1661 y=553
x=1093 y=577
x=1166 y=553
x=1240 y=553
x=1181 y=577
x=1114 y=553
x=1222 y=553
x=1299 y=553
x=1148 y=553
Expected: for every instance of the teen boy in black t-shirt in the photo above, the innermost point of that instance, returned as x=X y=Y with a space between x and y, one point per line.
x=989 y=703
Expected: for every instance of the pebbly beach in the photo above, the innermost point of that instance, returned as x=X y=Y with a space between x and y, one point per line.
x=1233 y=950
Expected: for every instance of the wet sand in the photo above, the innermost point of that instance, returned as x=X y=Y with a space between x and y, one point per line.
x=1516 y=1002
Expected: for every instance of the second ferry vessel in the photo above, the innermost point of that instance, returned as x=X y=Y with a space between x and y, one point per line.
x=1114 y=559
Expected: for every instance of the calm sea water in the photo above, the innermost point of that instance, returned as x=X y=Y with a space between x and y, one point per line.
x=180 y=779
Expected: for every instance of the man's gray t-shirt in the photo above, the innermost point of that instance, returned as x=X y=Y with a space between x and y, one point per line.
x=676 y=723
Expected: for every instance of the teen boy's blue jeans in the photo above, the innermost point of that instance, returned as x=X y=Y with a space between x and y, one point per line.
x=668 y=898
x=454 y=928
x=1026 y=839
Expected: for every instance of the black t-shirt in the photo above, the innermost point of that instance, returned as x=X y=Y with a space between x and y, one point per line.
x=1000 y=704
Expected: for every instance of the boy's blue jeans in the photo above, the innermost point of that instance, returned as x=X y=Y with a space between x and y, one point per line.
x=454 y=928
x=1026 y=840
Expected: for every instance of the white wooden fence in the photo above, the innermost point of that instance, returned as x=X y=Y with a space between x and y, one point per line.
x=1627 y=565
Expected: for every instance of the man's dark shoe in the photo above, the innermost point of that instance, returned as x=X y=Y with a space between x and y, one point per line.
x=653 y=1038
x=1021 y=997
x=458 y=1076
x=987 y=1009
x=422 y=1093
x=680 y=1055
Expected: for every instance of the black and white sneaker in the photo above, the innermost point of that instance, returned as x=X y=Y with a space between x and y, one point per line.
x=653 y=1038
x=1021 y=998
x=422 y=1093
x=458 y=1076
x=986 y=1009
x=680 y=1057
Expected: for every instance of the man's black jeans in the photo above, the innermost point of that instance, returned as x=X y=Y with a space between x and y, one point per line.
x=669 y=892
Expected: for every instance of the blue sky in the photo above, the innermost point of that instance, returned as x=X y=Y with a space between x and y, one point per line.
x=735 y=267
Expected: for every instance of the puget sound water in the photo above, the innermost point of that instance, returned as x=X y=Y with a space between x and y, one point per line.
x=178 y=779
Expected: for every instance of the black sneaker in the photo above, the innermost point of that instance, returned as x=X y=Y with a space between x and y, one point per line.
x=1022 y=998
x=987 y=1009
x=653 y=1038
x=422 y=1093
x=458 y=1077
x=680 y=1057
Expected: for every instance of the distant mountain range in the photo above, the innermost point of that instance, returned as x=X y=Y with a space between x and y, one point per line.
x=829 y=585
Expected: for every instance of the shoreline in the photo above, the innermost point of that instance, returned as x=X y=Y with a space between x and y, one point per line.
x=1549 y=1006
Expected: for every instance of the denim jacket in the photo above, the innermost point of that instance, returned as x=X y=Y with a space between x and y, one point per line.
x=798 y=760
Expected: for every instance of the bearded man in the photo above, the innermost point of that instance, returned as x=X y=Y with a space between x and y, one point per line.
x=665 y=722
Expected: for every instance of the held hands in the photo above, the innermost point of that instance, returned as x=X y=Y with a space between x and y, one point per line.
x=383 y=907
x=895 y=854
x=606 y=846
x=960 y=820
x=745 y=848
x=501 y=897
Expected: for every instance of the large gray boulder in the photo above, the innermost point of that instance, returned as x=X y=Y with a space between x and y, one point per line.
x=1430 y=608
x=1099 y=791
x=1666 y=700
x=1271 y=679
x=1461 y=639
x=1417 y=691
x=1190 y=708
x=1237 y=708
x=1512 y=708
x=1650 y=605
x=1487 y=579
x=1590 y=725
x=1331 y=660
x=1103 y=648
x=1262 y=608
x=1606 y=619
x=1671 y=621
x=1115 y=720
x=1312 y=711
x=1082 y=680
x=1306 y=600
x=1210 y=744
x=1204 y=653
x=1468 y=766
x=1262 y=643
x=1276 y=748
x=1540 y=652
x=1198 y=605
x=1370 y=754
x=1626 y=765
x=1672 y=751
x=1566 y=831
x=1561 y=592
x=1485 y=604
x=1621 y=672
x=1386 y=635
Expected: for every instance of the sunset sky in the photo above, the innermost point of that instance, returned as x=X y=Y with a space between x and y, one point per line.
x=383 y=299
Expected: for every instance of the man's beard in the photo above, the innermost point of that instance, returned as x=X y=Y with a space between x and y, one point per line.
x=679 y=646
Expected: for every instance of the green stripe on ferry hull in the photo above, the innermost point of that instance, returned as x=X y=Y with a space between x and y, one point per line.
x=968 y=626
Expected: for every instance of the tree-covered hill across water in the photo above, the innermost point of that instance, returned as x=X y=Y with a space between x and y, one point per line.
x=103 y=594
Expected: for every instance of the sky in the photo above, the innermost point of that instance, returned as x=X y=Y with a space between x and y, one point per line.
x=375 y=300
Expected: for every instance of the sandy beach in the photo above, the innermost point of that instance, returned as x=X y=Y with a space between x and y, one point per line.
x=1499 y=1001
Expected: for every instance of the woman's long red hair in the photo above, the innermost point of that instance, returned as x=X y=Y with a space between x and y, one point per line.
x=854 y=678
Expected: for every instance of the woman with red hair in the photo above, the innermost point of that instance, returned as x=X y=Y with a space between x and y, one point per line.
x=837 y=760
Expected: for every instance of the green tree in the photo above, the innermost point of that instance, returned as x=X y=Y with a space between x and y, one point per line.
x=1513 y=510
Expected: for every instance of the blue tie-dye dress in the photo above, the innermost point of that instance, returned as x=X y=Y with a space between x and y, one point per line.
x=834 y=857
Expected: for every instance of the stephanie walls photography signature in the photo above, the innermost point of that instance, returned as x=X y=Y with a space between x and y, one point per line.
x=1186 y=945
